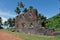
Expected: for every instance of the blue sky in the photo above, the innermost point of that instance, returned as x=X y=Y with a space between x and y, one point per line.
x=48 y=8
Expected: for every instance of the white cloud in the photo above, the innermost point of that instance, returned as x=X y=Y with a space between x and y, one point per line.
x=5 y=15
x=8 y=14
x=3 y=19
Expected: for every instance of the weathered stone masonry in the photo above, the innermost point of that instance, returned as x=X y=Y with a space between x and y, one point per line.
x=27 y=23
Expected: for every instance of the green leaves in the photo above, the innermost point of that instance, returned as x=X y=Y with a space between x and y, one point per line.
x=25 y=10
x=19 y=7
x=20 y=4
x=17 y=10
x=10 y=22
x=42 y=19
x=1 y=23
x=54 y=22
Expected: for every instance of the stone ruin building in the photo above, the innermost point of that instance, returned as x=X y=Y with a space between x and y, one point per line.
x=27 y=23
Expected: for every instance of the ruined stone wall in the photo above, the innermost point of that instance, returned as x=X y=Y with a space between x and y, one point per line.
x=22 y=24
x=22 y=21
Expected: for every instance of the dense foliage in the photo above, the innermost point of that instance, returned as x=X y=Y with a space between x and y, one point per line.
x=10 y=22
x=41 y=19
x=54 y=22
x=1 y=23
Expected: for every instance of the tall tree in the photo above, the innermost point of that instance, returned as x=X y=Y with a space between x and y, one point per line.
x=19 y=7
x=54 y=22
x=20 y=4
x=13 y=21
x=17 y=10
x=42 y=19
x=10 y=22
x=1 y=23
x=5 y=23
x=30 y=7
x=25 y=10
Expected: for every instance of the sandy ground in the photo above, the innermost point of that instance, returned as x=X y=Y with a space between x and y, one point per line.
x=7 y=36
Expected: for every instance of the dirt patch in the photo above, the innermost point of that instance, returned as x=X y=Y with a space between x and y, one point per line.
x=7 y=36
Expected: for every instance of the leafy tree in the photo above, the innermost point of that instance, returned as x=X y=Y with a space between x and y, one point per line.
x=25 y=10
x=5 y=23
x=54 y=22
x=10 y=22
x=20 y=4
x=17 y=10
x=13 y=21
x=42 y=19
x=30 y=7
x=1 y=23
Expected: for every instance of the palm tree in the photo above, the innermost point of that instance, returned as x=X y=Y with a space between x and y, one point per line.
x=17 y=10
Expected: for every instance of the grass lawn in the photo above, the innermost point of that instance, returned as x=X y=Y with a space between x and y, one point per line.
x=34 y=37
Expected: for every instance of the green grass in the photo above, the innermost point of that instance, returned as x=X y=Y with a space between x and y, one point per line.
x=34 y=37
